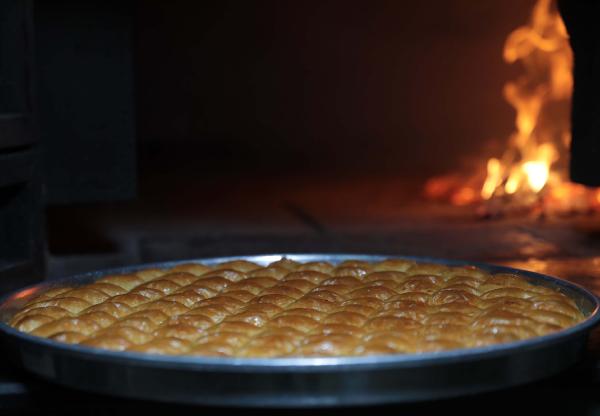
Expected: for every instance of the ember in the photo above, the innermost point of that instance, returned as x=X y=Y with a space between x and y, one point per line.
x=531 y=175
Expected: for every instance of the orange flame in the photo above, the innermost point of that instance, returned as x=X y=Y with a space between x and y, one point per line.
x=531 y=173
x=542 y=47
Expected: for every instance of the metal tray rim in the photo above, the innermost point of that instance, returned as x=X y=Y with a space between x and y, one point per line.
x=315 y=363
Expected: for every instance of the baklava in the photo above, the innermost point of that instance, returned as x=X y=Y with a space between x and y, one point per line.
x=292 y=309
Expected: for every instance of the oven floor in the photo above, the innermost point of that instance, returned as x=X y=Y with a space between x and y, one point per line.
x=233 y=215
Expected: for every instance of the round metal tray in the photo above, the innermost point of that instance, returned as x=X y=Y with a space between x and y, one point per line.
x=300 y=382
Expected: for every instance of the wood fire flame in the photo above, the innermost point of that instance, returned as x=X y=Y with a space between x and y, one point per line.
x=531 y=173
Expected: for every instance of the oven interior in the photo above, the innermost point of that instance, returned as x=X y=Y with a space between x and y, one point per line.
x=134 y=132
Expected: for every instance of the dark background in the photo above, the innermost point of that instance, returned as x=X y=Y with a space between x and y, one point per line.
x=128 y=91
x=188 y=129
x=407 y=88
